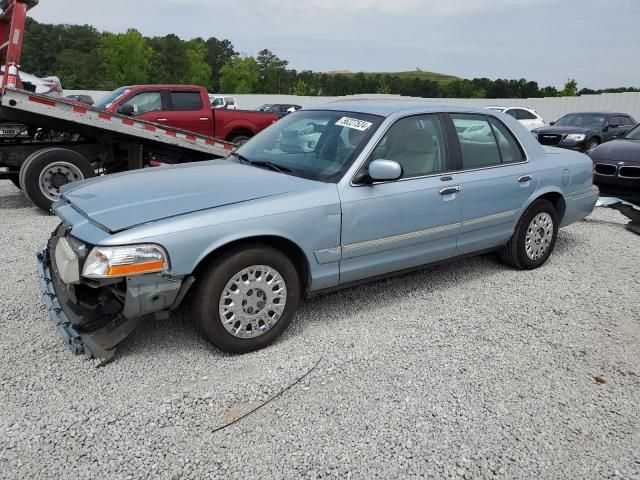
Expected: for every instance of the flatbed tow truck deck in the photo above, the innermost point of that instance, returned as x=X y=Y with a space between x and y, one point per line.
x=70 y=141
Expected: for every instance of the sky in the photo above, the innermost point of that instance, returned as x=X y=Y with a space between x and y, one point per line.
x=594 y=41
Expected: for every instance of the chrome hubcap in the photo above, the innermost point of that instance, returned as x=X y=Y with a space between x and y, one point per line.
x=539 y=236
x=55 y=176
x=252 y=302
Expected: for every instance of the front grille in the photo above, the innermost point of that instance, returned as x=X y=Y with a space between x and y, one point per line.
x=604 y=169
x=548 y=139
x=629 y=172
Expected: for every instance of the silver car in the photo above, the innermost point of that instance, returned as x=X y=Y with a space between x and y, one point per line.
x=386 y=187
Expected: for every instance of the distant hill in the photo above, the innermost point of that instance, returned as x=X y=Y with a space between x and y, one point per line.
x=436 y=77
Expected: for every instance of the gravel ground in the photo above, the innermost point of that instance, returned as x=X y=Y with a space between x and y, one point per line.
x=468 y=370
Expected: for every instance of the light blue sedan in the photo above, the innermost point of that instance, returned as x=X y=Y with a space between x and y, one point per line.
x=382 y=187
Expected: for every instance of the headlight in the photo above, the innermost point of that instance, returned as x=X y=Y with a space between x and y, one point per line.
x=109 y=262
x=578 y=137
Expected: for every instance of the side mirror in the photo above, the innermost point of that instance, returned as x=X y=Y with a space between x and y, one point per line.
x=552 y=123
x=126 y=109
x=384 y=170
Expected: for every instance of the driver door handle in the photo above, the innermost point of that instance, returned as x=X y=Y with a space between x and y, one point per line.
x=161 y=120
x=449 y=190
x=525 y=178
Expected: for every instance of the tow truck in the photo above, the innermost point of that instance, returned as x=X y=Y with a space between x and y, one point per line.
x=69 y=141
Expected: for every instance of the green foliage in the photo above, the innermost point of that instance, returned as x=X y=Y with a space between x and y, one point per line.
x=198 y=70
x=570 y=88
x=383 y=87
x=84 y=58
x=126 y=59
x=240 y=75
x=219 y=53
x=170 y=61
x=301 y=88
x=272 y=71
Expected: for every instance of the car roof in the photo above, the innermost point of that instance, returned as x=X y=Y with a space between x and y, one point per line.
x=598 y=113
x=388 y=107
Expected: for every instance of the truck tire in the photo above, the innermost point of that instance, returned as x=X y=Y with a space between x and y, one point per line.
x=45 y=171
x=240 y=139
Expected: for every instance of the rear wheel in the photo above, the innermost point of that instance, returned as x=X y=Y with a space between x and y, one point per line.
x=246 y=298
x=534 y=238
x=45 y=172
x=240 y=139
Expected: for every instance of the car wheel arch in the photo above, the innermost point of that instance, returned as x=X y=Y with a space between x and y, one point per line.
x=554 y=196
x=288 y=247
x=239 y=132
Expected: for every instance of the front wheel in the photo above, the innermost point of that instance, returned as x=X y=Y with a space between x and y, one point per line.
x=245 y=299
x=593 y=143
x=534 y=237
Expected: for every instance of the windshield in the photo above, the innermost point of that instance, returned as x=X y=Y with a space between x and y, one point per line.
x=107 y=100
x=588 y=120
x=264 y=108
x=634 y=133
x=318 y=145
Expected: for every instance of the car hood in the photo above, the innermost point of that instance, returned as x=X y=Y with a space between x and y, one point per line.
x=623 y=150
x=121 y=201
x=561 y=130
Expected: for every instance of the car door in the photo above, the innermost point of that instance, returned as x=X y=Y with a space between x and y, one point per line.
x=495 y=180
x=187 y=111
x=612 y=128
x=391 y=226
x=625 y=125
x=147 y=105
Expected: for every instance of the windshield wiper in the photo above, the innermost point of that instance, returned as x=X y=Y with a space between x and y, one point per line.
x=272 y=166
x=242 y=158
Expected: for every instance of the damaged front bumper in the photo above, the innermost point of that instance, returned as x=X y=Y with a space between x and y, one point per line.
x=93 y=319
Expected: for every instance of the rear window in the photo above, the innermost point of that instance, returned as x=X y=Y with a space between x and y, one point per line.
x=186 y=101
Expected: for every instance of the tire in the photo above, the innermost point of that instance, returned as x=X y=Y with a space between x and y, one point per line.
x=517 y=253
x=213 y=298
x=52 y=167
x=593 y=143
x=240 y=139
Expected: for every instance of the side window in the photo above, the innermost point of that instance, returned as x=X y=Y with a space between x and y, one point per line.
x=524 y=115
x=477 y=142
x=186 y=101
x=510 y=151
x=513 y=112
x=145 y=102
x=417 y=143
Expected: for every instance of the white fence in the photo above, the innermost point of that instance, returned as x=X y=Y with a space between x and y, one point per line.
x=551 y=108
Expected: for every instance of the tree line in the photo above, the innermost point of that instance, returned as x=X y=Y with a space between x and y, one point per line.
x=86 y=59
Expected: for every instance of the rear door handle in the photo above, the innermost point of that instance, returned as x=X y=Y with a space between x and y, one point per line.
x=525 y=178
x=449 y=190
x=161 y=120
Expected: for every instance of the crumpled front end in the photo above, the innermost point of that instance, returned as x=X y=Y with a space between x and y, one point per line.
x=94 y=317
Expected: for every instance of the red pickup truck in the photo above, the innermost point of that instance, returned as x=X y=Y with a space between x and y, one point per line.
x=186 y=107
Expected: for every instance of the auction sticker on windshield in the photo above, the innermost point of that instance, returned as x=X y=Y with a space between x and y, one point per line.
x=353 y=123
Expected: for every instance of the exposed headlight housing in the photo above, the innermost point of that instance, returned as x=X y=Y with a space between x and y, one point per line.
x=112 y=262
x=578 y=137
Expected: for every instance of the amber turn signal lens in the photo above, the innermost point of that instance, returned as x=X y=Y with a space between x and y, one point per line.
x=136 y=268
